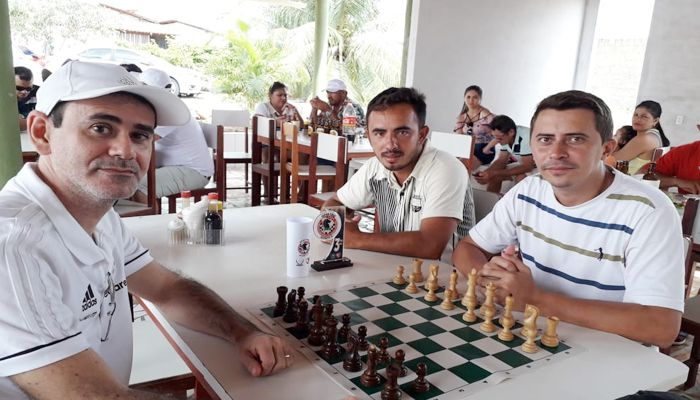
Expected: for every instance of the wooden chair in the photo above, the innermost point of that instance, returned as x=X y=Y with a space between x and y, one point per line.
x=460 y=146
x=214 y=136
x=129 y=208
x=322 y=146
x=235 y=121
x=264 y=127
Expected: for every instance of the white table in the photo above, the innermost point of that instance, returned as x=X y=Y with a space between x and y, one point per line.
x=246 y=271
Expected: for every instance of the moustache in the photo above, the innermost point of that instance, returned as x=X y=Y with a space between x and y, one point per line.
x=117 y=163
x=392 y=153
x=558 y=164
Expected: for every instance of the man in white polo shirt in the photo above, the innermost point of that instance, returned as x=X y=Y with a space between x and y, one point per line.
x=66 y=259
x=582 y=241
x=421 y=194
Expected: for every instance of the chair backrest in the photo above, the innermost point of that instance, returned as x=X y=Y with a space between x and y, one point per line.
x=237 y=118
x=689 y=222
x=689 y=263
x=214 y=136
x=330 y=147
x=484 y=202
x=460 y=146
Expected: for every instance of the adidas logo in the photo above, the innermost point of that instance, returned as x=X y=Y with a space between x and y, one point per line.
x=89 y=300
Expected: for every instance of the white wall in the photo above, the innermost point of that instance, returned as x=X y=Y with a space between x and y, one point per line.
x=518 y=51
x=671 y=73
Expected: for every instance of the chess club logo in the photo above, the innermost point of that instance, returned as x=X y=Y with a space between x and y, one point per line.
x=327 y=225
x=303 y=249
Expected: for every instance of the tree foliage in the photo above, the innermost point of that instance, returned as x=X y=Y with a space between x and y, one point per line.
x=52 y=23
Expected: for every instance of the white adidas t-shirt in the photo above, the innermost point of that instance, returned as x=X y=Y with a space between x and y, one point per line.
x=61 y=291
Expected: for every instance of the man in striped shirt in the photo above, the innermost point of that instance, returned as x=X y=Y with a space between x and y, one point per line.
x=421 y=194
x=582 y=242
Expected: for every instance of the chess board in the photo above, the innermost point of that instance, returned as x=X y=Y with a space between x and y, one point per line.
x=460 y=358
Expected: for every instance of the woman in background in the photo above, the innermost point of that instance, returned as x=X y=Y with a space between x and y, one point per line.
x=650 y=135
x=277 y=106
x=473 y=120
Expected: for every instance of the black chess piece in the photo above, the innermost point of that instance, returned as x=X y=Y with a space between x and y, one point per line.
x=384 y=357
x=302 y=326
x=362 y=336
x=344 y=330
x=281 y=304
x=330 y=346
x=300 y=294
x=315 y=299
x=290 y=314
x=328 y=311
x=420 y=385
x=316 y=334
x=391 y=389
x=399 y=358
x=352 y=361
x=370 y=378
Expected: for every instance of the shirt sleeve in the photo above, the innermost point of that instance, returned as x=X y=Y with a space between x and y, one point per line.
x=356 y=193
x=260 y=109
x=654 y=265
x=135 y=255
x=446 y=185
x=667 y=164
x=497 y=230
x=38 y=328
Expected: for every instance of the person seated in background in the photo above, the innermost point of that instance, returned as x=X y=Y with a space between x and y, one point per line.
x=67 y=260
x=582 y=241
x=183 y=160
x=515 y=158
x=25 y=90
x=638 y=151
x=680 y=168
x=622 y=136
x=473 y=120
x=421 y=194
x=330 y=115
x=277 y=106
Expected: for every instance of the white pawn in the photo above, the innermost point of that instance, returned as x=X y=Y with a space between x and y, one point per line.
x=398 y=278
x=412 y=288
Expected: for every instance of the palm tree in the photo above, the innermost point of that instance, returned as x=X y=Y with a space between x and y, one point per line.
x=358 y=49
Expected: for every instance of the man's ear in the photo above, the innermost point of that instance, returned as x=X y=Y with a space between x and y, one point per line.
x=423 y=133
x=609 y=147
x=39 y=129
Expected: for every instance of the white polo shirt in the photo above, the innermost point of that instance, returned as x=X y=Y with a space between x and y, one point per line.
x=61 y=291
x=437 y=187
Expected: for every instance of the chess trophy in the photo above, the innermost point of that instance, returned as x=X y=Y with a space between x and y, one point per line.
x=329 y=226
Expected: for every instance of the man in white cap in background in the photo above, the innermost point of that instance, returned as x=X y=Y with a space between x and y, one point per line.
x=66 y=259
x=183 y=160
x=331 y=114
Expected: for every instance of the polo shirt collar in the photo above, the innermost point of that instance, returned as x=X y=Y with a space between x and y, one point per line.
x=421 y=167
x=74 y=237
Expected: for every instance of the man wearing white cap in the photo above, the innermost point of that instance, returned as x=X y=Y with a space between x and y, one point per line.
x=66 y=259
x=183 y=160
x=331 y=114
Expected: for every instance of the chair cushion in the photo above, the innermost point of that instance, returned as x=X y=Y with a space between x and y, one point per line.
x=236 y=156
x=263 y=168
x=321 y=170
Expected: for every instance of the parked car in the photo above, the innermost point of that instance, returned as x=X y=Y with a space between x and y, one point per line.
x=23 y=57
x=185 y=81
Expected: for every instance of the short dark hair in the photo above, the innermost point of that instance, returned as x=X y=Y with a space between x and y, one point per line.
x=24 y=73
x=627 y=134
x=503 y=123
x=394 y=96
x=56 y=113
x=574 y=99
x=276 y=86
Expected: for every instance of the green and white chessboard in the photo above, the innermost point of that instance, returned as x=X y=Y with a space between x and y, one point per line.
x=460 y=358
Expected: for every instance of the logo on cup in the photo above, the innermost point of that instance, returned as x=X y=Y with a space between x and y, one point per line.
x=303 y=247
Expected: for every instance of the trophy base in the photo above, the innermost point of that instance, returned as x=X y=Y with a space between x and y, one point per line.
x=326 y=265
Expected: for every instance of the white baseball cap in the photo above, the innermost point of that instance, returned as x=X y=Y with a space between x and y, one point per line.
x=77 y=80
x=335 y=85
x=155 y=77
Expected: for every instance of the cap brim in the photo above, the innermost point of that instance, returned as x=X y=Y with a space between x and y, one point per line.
x=170 y=110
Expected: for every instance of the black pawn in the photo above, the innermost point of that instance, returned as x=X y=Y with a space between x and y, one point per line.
x=290 y=314
x=315 y=299
x=370 y=378
x=362 y=338
x=300 y=294
x=384 y=357
x=391 y=390
x=420 y=385
x=302 y=326
x=327 y=311
x=352 y=361
x=398 y=361
x=344 y=330
x=281 y=304
x=330 y=347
